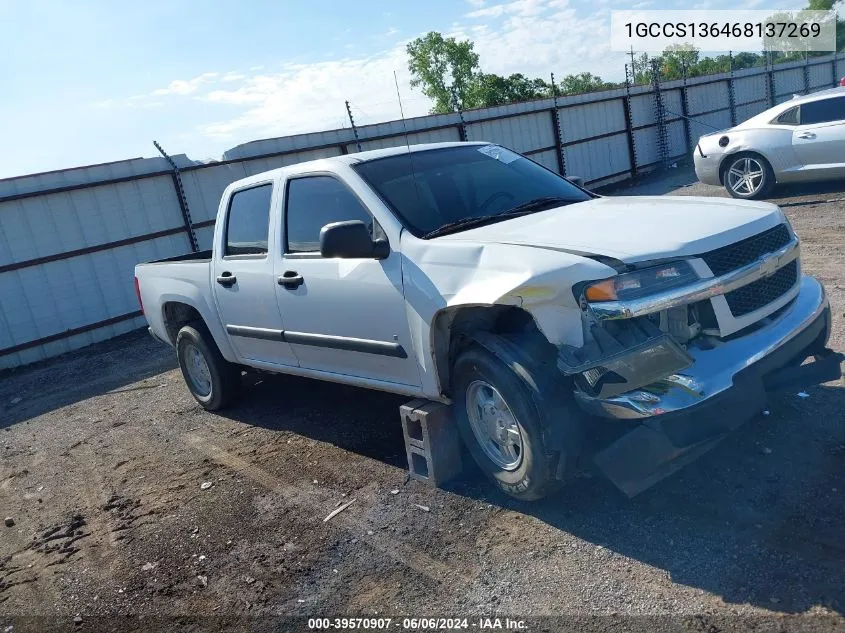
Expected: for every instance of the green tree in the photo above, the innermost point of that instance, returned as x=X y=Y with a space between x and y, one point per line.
x=439 y=65
x=641 y=69
x=492 y=90
x=677 y=60
x=830 y=5
x=583 y=82
x=798 y=50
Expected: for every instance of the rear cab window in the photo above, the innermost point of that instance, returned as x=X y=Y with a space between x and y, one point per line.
x=248 y=221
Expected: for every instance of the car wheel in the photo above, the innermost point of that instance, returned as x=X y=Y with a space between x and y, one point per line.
x=212 y=380
x=748 y=177
x=506 y=428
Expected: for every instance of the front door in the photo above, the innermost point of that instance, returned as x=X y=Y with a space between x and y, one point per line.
x=243 y=281
x=345 y=316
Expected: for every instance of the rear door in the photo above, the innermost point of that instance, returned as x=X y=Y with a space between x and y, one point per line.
x=819 y=139
x=243 y=280
x=345 y=316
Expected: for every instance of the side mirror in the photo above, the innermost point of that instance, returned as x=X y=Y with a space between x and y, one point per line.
x=351 y=240
x=576 y=180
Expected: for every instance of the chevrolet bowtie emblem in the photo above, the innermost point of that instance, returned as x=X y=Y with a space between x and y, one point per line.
x=769 y=266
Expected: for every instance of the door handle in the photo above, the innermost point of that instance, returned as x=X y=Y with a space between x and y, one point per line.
x=227 y=279
x=807 y=135
x=291 y=280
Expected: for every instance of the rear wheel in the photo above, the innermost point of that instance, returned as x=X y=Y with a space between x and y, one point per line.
x=212 y=380
x=507 y=428
x=748 y=176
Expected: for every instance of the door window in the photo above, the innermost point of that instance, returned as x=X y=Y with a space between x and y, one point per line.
x=247 y=224
x=313 y=202
x=823 y=111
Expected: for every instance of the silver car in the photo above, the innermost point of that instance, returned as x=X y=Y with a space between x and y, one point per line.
x=800 y=140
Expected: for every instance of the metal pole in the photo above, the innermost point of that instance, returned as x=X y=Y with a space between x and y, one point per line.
x=558 y=128
x=176 y=176
x=659 y=113
x=462 y=129
x=685 y=108
x=770 y=83
x=354 y=129
x=806 y=71
x=629 y=124
x=731 y=93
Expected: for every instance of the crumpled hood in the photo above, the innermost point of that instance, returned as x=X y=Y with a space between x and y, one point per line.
x=633 y=229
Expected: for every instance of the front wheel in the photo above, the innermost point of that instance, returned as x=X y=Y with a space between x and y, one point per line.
x=506 y=428
x=748 y=177
x=212 y=380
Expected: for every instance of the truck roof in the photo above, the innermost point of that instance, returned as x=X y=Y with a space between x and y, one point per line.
x=350 y=159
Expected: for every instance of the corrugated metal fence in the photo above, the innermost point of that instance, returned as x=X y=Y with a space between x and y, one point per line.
x=69 y=240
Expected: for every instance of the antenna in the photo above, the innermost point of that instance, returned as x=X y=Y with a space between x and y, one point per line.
x=407 y=142
x=401 y=112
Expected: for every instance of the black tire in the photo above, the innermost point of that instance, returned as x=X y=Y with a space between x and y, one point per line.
x=225 y=377
x=765 y=186
x=547 y=459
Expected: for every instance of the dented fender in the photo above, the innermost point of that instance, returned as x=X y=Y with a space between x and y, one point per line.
x=441 y=275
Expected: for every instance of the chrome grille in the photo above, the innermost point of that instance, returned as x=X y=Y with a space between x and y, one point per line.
x=724 y=260
x=763 y=291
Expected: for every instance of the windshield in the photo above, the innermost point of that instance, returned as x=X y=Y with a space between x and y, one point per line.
x=434 y=188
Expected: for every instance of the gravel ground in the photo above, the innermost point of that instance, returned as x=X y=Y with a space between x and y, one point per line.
x=107 y=460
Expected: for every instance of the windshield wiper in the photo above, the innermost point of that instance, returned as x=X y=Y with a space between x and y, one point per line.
x=535 y=204
x=463 y=223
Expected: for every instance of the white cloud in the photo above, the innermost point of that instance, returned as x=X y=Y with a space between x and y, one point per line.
x=515 y=7
x=310 y=97
x=537 y=37
x=533 y=37
x=182 y=87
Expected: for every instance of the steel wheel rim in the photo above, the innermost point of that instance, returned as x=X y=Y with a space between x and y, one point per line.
x=745 y=176
x=494 y=425
x=199 y=375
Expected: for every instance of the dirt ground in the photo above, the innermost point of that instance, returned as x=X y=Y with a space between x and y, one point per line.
x=104 y=457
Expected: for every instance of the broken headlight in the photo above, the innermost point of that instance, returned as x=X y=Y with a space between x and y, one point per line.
x=641 y=283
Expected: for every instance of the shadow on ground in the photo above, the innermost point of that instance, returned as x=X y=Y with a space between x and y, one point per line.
x=36 y=389
x=757 y=520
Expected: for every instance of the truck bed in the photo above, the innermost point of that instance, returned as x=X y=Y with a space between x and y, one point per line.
x=201 y=256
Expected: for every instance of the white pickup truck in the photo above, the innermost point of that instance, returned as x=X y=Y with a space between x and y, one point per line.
x=563 y=327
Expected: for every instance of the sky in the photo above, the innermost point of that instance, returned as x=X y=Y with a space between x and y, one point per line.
x=92 y=81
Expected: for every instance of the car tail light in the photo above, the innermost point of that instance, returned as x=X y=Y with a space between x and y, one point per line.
x=842 y=82
x=138 y=294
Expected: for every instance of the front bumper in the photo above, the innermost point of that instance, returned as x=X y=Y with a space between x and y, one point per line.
x=685 y=414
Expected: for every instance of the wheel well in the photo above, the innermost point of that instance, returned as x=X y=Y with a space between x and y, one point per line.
x=176 y=316
x=452 y=331
x=731 y=157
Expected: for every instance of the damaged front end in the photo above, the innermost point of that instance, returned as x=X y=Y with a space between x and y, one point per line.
x=633 y=341
x=691 y=359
